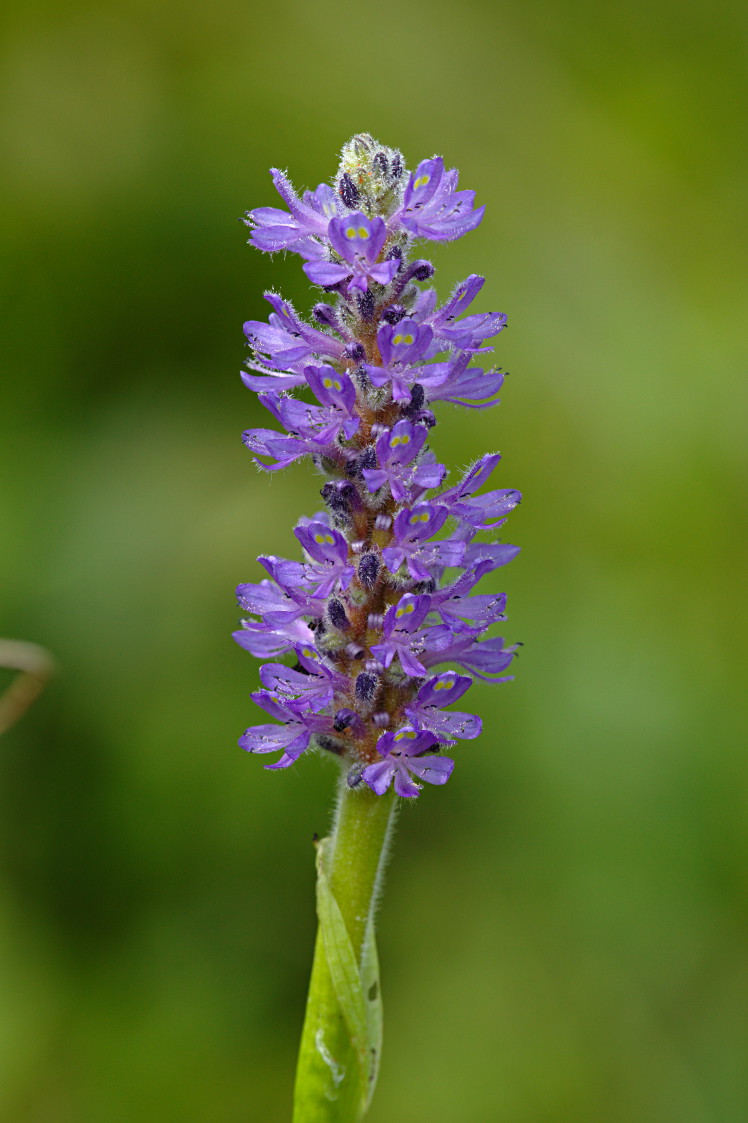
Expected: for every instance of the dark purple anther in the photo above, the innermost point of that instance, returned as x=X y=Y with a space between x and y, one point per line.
x=417 y=398
x=367 y=459
x=365 y=303
x=348 y=191
x=421 y=270
x=397 y=166
x=337 y=614
x=368 y=570
x=380 y=163
x=343 y=720
x=325 y=314
x=393 y=314
x=340 y=497
x=355 y=351
x=366 y=686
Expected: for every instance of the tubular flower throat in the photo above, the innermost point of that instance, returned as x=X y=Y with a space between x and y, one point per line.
x=379 y=627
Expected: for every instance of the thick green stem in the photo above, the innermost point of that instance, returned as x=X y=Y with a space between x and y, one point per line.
x=337 y=1064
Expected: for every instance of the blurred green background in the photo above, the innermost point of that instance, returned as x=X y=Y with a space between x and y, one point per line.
x=564 y=929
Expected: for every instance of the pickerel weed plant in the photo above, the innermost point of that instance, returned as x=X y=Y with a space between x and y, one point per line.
x=385 y=593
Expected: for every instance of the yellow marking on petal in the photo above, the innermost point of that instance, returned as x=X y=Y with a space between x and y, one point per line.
x=421 y=181
x=406 y=735
x=444 y=685
x=324 y=538
x=331 y=384
x=397 y=339
x=350 y=232
x=363 y=232
x=408 y=338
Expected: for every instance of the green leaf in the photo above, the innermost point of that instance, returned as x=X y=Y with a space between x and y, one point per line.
x=345 y=975
x=372 y=991
x=341 y=1040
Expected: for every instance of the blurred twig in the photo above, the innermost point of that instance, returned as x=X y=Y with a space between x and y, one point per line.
x=35 y=667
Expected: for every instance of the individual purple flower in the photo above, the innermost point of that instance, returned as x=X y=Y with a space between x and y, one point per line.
x=274 y=229
x=285 y=344
x=411 y=531
x=357 y=241
x=485 y=659
x=292 y=736
x=401 y=346
x=397 y=452
x=460 y=384
x=404 y=755
x=281 y=450
x=433 y=208
x=425 y=711
x=402 y=635
x=335 y=391
x=482 y=511
x=464 y=333
x=329 y=549
x=298 y=691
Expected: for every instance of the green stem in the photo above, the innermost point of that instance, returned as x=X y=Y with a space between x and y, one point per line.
x=336 y=1069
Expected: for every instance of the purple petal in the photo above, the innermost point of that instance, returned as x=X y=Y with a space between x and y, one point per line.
x=379 y=776
x=432 y=769
x=325 y=273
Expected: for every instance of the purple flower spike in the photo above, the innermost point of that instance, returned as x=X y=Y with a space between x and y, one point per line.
x=371 y=638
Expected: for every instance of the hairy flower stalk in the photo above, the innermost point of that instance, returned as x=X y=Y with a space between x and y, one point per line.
x=380 y=624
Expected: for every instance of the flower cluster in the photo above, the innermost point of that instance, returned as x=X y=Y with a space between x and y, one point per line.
x=385 y=593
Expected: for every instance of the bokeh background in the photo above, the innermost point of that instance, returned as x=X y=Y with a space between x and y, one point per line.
x=564 y=927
